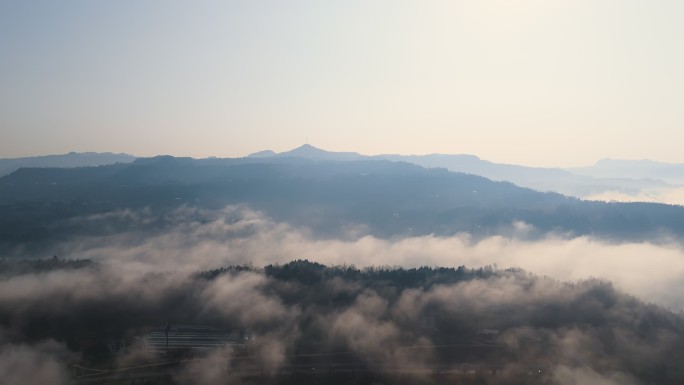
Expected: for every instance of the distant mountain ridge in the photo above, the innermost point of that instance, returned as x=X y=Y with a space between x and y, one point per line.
x=308 y=151
x=565 y=181
x=72 y=159
x=376 y=196
x=607 y=179
x=645 y=168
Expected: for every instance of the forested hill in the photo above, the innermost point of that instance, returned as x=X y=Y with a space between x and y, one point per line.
x=388 y=198
x=403 y=325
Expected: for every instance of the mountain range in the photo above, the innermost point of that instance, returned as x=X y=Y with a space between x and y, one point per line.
x=72 y=159
x=374 y=196
x=641 y=179
x=638 y=178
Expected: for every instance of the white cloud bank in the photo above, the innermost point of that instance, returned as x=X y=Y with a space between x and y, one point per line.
x=235 y=235
x=674 y=196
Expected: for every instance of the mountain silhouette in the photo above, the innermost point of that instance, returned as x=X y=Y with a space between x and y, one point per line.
x=72 y=159
x=571 y=182
x=385 y=198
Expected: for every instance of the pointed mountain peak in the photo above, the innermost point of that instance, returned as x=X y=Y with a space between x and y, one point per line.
x=311 y=152
x=306 y=145
x=304 y=150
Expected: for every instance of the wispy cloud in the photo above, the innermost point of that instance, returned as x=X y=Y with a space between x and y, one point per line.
x=198 y=239
x=673 y=196
x=151 y=275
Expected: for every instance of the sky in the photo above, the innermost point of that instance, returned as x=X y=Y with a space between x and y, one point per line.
x=534 y=82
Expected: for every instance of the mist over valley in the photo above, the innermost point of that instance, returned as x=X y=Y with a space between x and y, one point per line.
x=331 y=267
x=473 y=192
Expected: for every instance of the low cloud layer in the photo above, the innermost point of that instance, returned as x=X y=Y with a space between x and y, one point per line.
x=565 y=332
x=674 y=196
x=585 y=331
x=33 y=364
x=198 y=239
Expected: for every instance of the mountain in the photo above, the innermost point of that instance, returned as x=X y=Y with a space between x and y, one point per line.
x=40 y=206
x=308 y=151
x=636 y=169
x=538 y=178
x=262 y=154
x=72 y=159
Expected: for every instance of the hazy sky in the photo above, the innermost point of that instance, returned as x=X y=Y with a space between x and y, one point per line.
x=545 y=82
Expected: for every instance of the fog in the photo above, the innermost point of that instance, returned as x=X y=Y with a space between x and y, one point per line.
x=40 y=363
x=576 y=333
x=674 y=196
x=578 y=329
x=200 y=239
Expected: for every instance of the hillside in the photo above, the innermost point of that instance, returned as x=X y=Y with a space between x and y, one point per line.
x=72 y=159
x=576 y=182
x=387 y=199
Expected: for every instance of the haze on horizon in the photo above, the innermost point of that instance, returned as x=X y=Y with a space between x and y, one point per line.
x=530 y=82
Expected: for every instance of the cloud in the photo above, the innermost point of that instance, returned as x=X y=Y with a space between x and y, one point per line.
x=242 y=298
x=674 y=195
x=197 y=239
x=36 y=364
x=563 y=375
x=112 y=302
x=212 y=368
x=369 y=331
x=546 y=323
x=150 y=274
